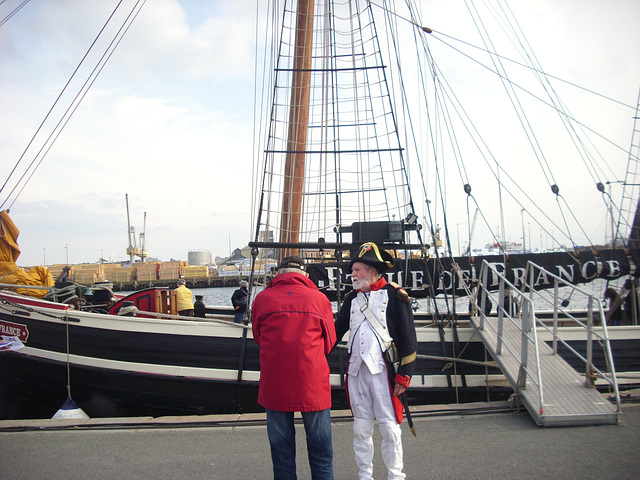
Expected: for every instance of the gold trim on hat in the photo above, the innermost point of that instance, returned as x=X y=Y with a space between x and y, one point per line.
x=369 y=246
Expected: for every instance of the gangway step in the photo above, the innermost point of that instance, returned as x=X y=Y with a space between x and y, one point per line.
x=567 y=400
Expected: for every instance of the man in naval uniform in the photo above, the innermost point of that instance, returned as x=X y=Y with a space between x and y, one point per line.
x=373 y=383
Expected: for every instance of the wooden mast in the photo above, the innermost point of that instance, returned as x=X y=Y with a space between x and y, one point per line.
x=297 y=135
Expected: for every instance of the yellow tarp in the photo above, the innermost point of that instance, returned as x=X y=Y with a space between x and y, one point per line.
x=9 y=252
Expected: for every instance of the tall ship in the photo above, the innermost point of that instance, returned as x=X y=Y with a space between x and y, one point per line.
x=363 y=138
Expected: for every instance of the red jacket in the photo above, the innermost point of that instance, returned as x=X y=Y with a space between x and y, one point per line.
x=293 y=325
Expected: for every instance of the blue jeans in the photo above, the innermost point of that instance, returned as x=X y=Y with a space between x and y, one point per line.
x=282 y=438
x=237 y=318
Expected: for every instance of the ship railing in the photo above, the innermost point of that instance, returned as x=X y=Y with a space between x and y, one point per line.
x=15 y=286
x=521 y=319
x=595 y=334
x=516 y=305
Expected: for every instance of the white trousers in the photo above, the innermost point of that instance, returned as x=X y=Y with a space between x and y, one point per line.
x=370 y=400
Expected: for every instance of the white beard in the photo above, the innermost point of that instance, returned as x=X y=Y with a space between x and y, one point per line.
x=361 y=283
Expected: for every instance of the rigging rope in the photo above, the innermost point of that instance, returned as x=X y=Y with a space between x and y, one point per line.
x=14 y=11
x=82 y=92
x=441 y=135
x=499 y=169
x=536 y=97
x=54 y=105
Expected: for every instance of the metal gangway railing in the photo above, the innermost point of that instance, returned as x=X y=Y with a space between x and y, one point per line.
x=554 y=392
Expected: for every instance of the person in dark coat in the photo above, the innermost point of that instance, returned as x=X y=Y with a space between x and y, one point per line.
x=198 y=307
x=377 y=313
x=239 y=301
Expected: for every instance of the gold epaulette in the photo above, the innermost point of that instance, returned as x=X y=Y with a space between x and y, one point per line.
x=400 y=292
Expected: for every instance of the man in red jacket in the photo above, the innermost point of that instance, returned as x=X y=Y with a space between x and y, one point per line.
x=293 y=324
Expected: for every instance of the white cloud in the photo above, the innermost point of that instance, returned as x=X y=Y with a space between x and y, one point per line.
x=160 y=124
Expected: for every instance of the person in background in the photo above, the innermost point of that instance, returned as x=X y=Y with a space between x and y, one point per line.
x=292 y=322
x=379 y=316
x=185 y=299
x=198 y=307
x=239 y=301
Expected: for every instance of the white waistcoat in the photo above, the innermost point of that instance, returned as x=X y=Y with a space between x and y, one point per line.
x=364 y=345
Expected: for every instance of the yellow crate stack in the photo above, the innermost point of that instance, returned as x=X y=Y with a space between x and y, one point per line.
x=87 y=273
x=170 y=270
x=145 y=272
x=194 y=271
x=114 y=272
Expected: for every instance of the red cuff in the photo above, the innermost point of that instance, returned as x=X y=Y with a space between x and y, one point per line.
x=404 y=381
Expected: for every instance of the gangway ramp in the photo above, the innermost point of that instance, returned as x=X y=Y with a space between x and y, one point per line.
x=554 y=393
x=567 y=400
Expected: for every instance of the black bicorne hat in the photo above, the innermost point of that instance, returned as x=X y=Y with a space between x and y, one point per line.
x=370 y=254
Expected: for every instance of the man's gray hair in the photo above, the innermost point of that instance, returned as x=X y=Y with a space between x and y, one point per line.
x=368 y=268
x=243 y=283
x=289 y=270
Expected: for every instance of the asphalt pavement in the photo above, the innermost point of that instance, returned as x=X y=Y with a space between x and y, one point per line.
x=476 y=441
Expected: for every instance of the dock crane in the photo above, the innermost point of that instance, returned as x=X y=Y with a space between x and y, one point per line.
x=133 y=250
x=143 y=238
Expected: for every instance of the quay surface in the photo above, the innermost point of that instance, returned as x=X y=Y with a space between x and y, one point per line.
x=474 y=441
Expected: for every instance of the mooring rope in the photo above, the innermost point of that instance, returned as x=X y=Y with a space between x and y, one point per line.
x=447 y=359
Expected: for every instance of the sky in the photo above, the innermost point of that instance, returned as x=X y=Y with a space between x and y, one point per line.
x=170 y=119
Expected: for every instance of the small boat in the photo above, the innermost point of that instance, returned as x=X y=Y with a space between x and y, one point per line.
x=336 y=172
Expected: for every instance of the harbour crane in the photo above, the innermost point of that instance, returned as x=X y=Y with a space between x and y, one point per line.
x=133 y=250
x=143 y=238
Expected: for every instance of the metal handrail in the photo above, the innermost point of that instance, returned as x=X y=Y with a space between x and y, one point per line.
x=527 y=323
x=591 y=332
x=527 y=319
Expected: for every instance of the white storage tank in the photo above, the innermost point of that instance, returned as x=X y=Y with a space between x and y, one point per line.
x=199 y=257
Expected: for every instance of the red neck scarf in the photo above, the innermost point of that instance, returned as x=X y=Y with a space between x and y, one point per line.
x=379 y=284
